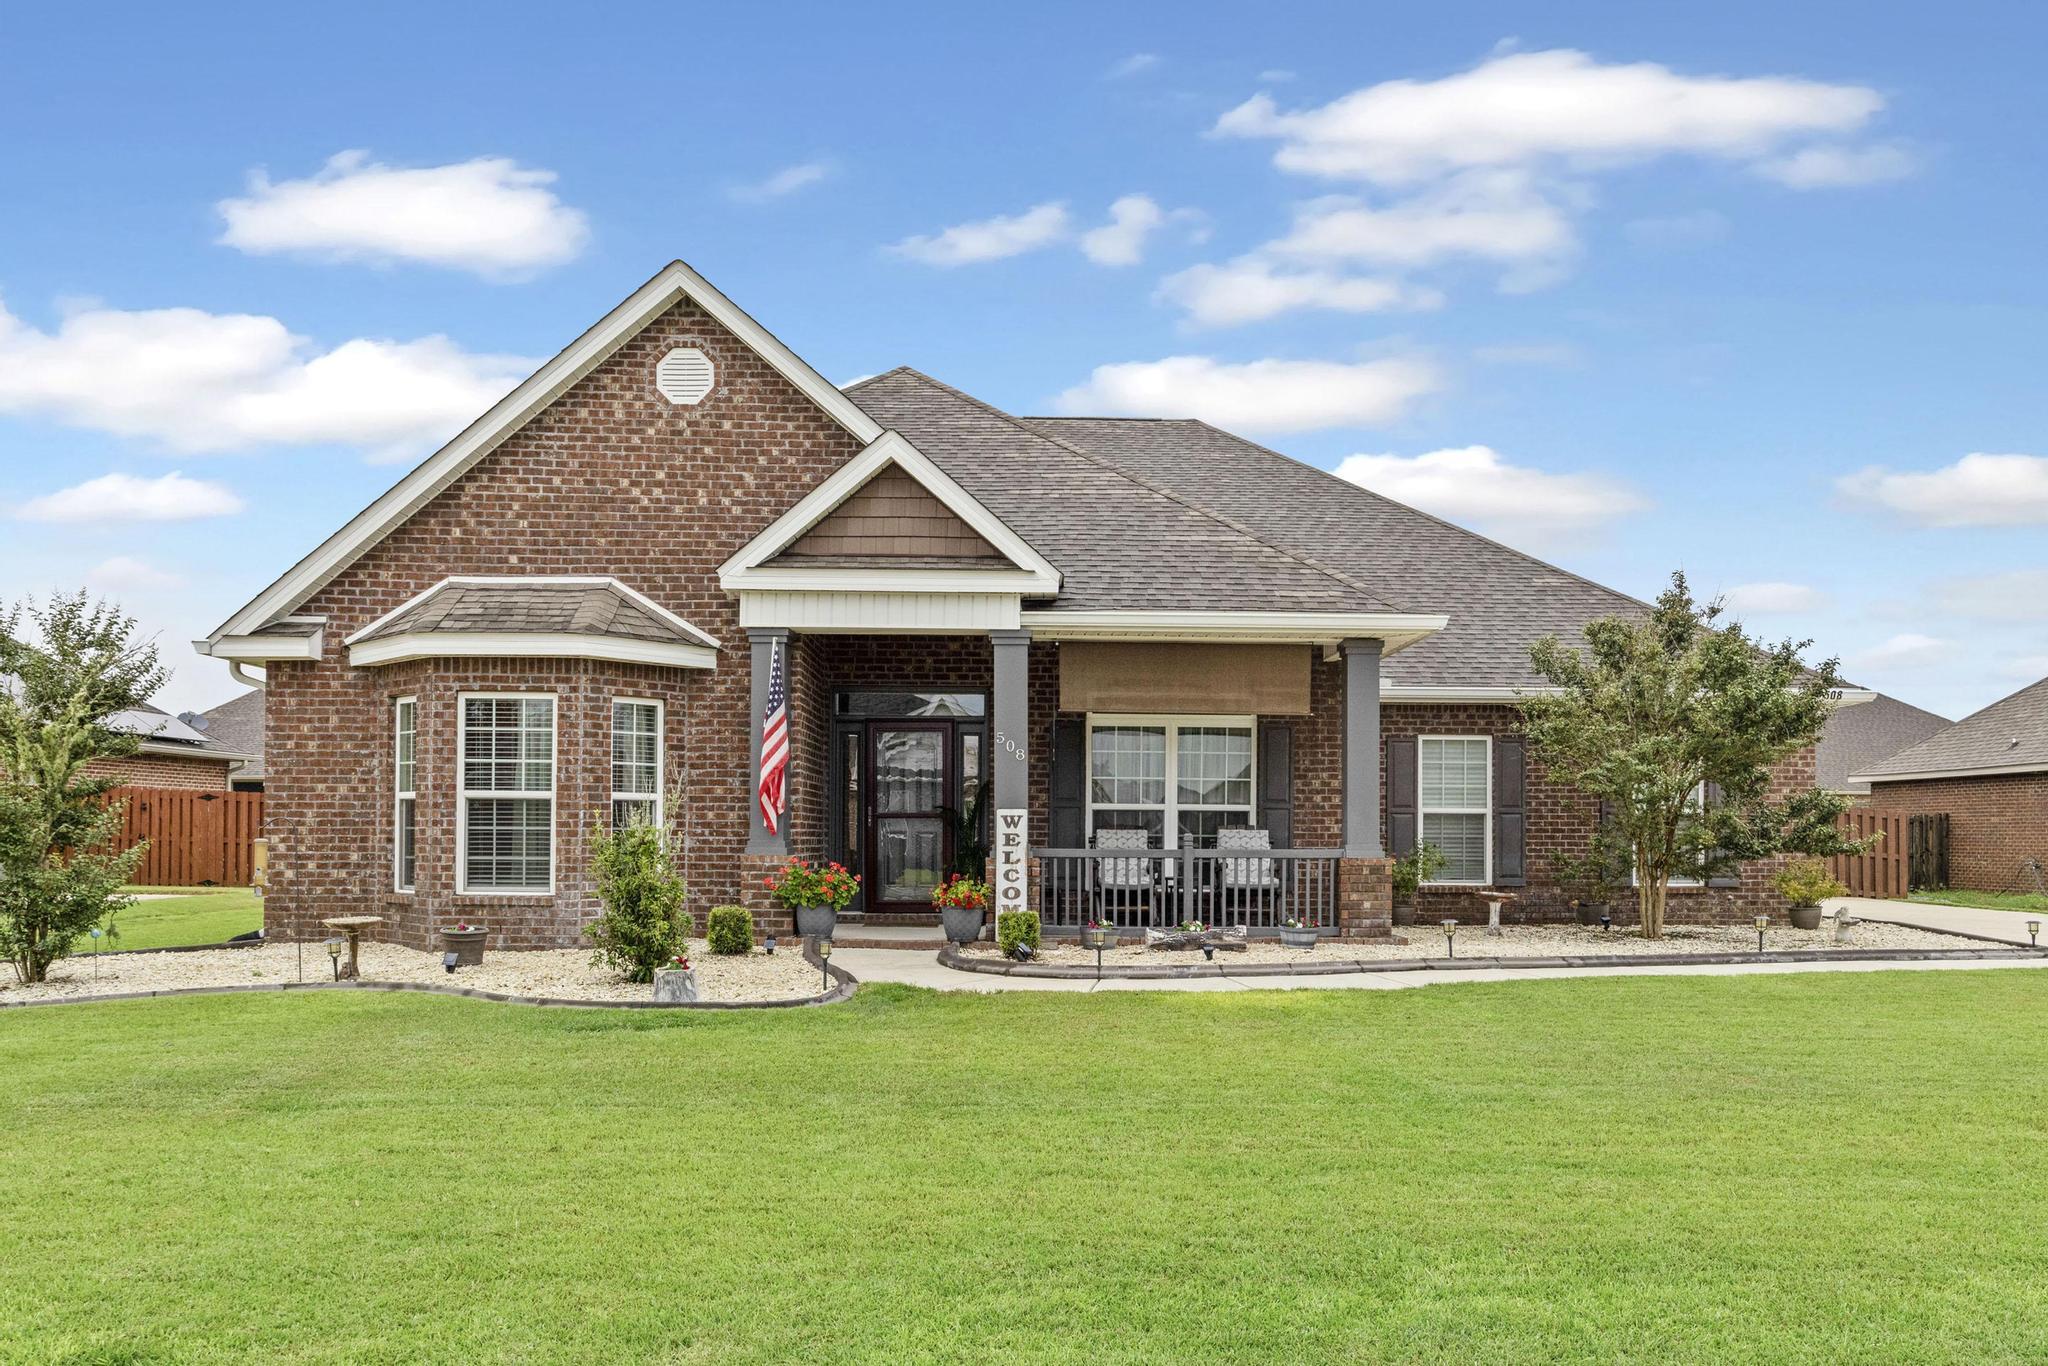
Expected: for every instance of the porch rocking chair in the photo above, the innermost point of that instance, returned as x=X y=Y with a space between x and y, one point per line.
x=1247 y=883
x=1124 y=885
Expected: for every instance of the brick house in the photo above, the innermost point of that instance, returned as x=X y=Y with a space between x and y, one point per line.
x=173 y=753
x=1988 y=773
x=1111 y=633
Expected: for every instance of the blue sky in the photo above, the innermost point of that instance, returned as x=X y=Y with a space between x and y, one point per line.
x=1757 y=292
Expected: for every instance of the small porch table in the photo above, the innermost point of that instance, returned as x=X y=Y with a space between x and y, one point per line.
x=352 y=926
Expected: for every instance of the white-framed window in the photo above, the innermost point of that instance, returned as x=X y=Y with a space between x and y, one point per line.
x=1454 y=805
x=636 y=761
x=505 y=794
x=1178 y=778
x=405 y=787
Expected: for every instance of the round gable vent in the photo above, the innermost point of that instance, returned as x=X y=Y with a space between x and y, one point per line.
x=684 y=375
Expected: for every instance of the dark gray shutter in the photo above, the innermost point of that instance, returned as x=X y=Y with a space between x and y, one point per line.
x=1401 y=796
x=1510 y=811
x=1731 y=877
x=1068 y=817
x=1276 y=783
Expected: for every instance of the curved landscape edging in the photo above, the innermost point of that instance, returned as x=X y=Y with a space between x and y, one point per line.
x=950 y=957
x=844 y=984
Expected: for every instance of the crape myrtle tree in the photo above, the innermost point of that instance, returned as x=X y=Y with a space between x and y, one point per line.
x=1675 y=722
x=66 y=668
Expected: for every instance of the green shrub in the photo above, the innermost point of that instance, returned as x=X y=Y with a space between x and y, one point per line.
x=643 y=925
x=730 y=929
x=1414 y=868
x=1806 y=882
x=1014 y=928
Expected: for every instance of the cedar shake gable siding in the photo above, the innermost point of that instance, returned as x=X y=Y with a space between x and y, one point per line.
x=892 y=517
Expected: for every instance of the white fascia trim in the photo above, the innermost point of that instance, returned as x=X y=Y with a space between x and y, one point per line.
x=1391 y=691
x=510 y=413
x=539 y=581
x=262 y=649
x=826 y=580
x=2035 y=766
x=1396 y=629
x=744 y=569
x=528 y=645
x=172 y=750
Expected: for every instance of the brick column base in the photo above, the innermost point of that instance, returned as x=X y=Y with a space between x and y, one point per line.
x=1365 y=898
x=769 y=918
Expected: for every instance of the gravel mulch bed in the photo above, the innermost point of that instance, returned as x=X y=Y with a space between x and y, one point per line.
x=560 y=973
x=1517 y=941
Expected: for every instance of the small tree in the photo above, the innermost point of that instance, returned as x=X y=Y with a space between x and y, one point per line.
x=1650 y=713
x=643 y=925
x=60 y=687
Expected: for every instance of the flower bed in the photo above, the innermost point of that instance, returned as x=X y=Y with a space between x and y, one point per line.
x=559 y=973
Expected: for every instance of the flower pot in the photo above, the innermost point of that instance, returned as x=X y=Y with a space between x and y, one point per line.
x=1589 y=912
x=675 y=986
x=963 y=923
x=816 y=922
x=1098 y=937
x=1404 y=913
x=1304 y=938
x=1804 y=917
x=467 y=945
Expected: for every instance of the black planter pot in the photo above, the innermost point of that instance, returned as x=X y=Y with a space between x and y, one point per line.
x=1589 y=913
x=963 y=923
x=816 y=921
x=466 y=945
x=1404 y=913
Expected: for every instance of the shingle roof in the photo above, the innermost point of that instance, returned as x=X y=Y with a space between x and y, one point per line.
x=238 y=724
x=589 y=609
x=1857 y=737
x=1119 y=540
x=159 y=727
x=2010 y=733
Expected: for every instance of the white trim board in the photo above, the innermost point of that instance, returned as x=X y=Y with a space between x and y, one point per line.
x=1030 y=572
x=1396 y=629
x=675 y=281
x=169 y=749
x=529 y=645
x=263 y=649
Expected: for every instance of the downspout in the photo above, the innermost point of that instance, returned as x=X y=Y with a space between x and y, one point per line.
x=241 y=675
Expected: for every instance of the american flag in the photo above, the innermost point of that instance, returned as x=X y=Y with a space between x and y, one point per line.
x=774 y=742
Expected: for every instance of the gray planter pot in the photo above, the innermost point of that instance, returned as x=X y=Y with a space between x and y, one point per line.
x=816 y=921
x=466 y=945
x=1300 y=939
x=1804 y=917
x=1589 y=913
x=963 y=923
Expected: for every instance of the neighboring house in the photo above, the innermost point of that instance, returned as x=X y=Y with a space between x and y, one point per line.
x=173 y=754
x=1857 y=737
x=237 y=724
x=1139 y=633
x=1988 y=773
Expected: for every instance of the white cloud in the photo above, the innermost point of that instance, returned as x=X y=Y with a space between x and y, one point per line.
x=1258 y=396
x=1977 y=490
x=491 y=215
x=2015 y=595
x=1833 y=167
x=1474 y=485
x=198 y=381
x=1132 y=65
x=1491 y=215
x=1909 y=650
x=1248 y=290
x=786 y=181
x=1527 y=108
x=1759 y=599
x=1121 y=241
x=129 y=498
x=990 y=239
x=1677 y=231
x=125 y=573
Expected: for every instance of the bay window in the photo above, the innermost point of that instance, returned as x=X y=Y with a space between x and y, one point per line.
x=1455 y=803
x=1179 y=779
x=505 y=822
x=636 y=763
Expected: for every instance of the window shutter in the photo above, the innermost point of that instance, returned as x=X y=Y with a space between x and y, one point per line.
x=1069 y=813
x=1731 y=877
x=1276 y=783
x=1401 y=795
x=1510 y=811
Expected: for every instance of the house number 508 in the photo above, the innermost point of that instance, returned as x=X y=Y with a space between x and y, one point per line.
x=1009 y=746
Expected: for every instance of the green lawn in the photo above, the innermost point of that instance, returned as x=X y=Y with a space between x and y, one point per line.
x=208 y=917
x=1807 y=1168
x=1987 y=901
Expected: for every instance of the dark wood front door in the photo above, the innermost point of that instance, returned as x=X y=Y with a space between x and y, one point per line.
x=909 y=834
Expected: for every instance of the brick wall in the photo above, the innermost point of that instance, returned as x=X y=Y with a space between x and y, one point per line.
x=163 y=770
x=1995 y=823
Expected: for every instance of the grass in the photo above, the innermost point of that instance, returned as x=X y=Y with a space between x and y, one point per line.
x=206 y=918
x=1985 y=901
x=1817 y=1168
x=185 y=891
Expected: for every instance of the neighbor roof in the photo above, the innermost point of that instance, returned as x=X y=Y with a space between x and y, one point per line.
x=164 y=734
x=1859 y=736
x=238 y=723
x=2010 y=735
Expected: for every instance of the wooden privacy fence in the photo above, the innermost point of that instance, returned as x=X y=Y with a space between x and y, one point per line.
x=1883 y=871
x=194 y=838
x=1927 y=851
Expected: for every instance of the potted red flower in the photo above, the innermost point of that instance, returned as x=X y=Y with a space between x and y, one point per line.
x=963 y=905
x=816 y=893
x=466 y=942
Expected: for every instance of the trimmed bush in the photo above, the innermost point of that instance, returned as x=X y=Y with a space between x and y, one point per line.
x=730 y=929
x=1014 y=928
x=643 y=924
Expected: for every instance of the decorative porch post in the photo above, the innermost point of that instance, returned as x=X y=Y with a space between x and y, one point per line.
x=1362 y=749
x=1012 y=737
x=759 y=839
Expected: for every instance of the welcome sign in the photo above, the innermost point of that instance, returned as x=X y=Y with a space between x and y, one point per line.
x=1012 y=850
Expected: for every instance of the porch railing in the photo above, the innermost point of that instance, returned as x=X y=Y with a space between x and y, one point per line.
x=1260 y=889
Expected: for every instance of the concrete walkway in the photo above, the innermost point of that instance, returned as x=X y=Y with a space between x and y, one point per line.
x=2008 y=926
x=921 y=969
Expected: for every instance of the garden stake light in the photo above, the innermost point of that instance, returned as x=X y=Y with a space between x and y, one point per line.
x=448 y=962
x=95 y=953
x=1606 y=922
x=824 y=961
x=2034 y=932
x=769 y=944
x=1761 y=922
x=334 y=956
x=1450 y=938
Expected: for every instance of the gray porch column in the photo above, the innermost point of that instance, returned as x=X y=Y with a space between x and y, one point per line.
x=764 y=641
x=1012 y=720
x=1362 y=749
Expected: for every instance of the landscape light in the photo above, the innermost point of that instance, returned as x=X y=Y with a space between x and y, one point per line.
x=448 y=961
x=1762 y=923
x=1606 y=922
x=334 y=956
x=769 y=944
x=2034 y=932
x=824 y=961
x=1450 y=938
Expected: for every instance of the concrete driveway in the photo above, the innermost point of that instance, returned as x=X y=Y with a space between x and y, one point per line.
x=2007 y=926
